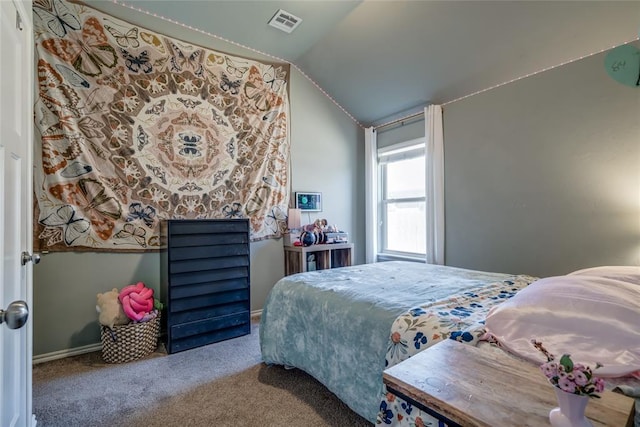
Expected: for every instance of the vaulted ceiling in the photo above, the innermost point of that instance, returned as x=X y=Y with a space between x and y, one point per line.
x=385 y=59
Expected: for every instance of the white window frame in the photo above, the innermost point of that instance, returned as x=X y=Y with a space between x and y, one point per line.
x=399 y=151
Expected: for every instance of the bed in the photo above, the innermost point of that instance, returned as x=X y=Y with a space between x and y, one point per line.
x=344 y=326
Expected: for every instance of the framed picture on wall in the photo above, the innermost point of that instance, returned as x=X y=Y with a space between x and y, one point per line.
x=308 y=201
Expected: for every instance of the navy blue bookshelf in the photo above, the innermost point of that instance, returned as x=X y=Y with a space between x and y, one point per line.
x=205 y=282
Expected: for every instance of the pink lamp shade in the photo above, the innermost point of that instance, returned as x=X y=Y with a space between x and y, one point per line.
x=293 y=219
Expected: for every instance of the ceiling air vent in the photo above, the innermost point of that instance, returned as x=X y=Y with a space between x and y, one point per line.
x=285 y=21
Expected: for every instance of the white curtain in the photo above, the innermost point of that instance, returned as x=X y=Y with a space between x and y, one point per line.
x=371 y=191
x=434 y=174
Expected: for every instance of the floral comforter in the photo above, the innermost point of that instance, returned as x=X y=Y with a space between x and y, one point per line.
x=334 y=324
x=460 y=317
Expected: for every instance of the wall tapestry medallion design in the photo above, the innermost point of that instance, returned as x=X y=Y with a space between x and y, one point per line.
x=135 y=127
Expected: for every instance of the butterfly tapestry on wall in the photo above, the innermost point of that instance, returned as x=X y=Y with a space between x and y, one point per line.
x=88 y=51
x=59 y=19
x=135 y=127
x=125 y=39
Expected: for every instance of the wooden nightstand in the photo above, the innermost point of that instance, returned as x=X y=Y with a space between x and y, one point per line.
x=487 y=387
x=326 y=256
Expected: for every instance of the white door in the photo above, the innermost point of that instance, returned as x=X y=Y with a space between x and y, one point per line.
x=16 y=145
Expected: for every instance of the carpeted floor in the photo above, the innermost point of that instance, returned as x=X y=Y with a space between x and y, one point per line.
x=223 y=384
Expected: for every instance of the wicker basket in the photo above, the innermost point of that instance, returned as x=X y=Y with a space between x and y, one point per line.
x=133 y=341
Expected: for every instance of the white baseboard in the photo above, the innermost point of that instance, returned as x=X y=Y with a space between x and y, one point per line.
x=61 y=354
x=256 y=314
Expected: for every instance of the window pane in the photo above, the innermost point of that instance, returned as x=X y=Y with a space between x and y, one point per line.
x=405 y=227
x=405 y=178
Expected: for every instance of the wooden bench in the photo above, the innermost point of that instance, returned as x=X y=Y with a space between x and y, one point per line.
x=470 y=386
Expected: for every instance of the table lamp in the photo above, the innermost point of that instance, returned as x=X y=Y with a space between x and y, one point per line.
x=293 y=219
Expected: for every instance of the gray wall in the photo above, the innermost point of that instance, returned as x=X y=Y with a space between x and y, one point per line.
x=325 y=146
x=542 y=176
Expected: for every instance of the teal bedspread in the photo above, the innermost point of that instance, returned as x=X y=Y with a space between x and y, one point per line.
x=335 y=324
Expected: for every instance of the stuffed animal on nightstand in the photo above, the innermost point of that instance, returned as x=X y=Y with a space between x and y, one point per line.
x=110 y=309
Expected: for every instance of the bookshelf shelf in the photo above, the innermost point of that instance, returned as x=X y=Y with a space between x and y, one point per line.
x=298 y=259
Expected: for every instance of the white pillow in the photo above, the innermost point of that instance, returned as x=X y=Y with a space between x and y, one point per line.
x=594 y=319
x=625 y=273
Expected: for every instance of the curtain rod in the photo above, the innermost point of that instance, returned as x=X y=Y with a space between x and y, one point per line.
x=400 y=120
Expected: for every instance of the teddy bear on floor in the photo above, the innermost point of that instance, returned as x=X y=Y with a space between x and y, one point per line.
x=110 y=309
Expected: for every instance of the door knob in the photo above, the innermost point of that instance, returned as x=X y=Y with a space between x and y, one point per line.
x=26 y=257
x=15 y=316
